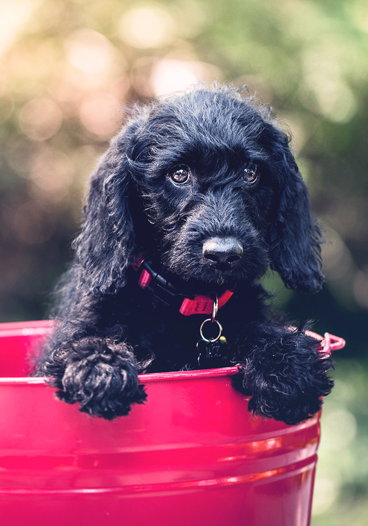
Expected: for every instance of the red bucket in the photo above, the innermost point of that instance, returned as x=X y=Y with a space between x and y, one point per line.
x=192 y=455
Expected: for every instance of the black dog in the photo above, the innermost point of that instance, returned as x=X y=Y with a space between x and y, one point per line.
x=197 y=196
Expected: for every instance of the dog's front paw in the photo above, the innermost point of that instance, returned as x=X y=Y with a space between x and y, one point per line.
x=285 y=402
x=286 y=382
x=100 y=376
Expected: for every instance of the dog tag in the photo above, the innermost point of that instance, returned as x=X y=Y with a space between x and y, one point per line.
x=210 y=353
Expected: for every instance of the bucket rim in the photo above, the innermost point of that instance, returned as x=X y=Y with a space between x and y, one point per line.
x=326 y=344
x=143 y=378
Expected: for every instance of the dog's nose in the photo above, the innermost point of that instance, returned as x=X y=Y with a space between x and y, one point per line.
x=222 y=252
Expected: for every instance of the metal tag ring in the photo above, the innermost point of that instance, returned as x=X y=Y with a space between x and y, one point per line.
x=211 y=340
x=215 y=308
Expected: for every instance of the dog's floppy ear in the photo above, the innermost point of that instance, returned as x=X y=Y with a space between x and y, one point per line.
x=294 y=237
x=105 y=244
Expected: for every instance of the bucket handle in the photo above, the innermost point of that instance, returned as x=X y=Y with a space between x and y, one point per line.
x=332 y=343
x=329 y=343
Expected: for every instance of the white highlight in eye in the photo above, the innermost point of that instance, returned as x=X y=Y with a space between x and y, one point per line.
x=180 y=176
x=250 y=175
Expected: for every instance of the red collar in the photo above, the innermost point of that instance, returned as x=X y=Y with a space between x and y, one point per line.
x=203 y=304
x=197 y=305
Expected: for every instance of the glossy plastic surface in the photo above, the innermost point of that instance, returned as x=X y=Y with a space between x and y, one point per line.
x=192 y=455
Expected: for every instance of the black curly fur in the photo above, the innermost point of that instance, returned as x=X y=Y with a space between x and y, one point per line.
x=108 y=329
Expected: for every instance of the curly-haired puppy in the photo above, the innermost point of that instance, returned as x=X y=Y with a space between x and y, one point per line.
x=196 y=198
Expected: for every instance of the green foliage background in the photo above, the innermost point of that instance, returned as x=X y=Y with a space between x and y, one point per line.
x=69 y=67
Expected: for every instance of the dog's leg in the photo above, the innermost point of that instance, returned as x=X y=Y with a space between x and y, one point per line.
x=285 y=375
x=100 y=374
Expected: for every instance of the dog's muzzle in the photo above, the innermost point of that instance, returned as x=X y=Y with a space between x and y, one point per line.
x=223 y=252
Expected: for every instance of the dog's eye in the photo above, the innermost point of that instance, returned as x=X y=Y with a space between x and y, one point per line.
x=181 y=176
x=250 y=175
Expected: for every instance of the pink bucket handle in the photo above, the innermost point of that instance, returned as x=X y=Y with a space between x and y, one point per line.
x=332 y=343
x=329 y=342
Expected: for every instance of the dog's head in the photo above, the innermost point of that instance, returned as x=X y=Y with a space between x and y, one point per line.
x=205 y=185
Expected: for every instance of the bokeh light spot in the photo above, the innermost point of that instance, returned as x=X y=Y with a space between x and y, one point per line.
x=13 y=15
x=89 y=51
x=148 y=26
x=52 y=174
x=336 y=101
x=169 y=76
x=340 y=429
x=40 y=119
x=324 y=495
x=101 y=114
